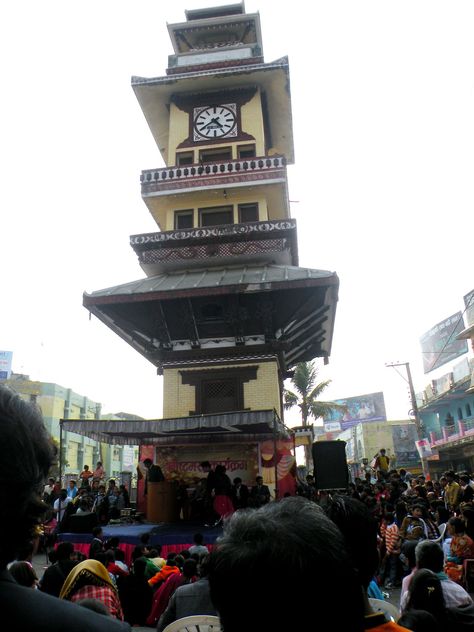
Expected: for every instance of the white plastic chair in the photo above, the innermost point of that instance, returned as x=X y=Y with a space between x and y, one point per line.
x=390 y=611
x=442 y=531
x=196 y=623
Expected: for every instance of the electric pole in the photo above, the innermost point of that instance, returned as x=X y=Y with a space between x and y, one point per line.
x=415 y=412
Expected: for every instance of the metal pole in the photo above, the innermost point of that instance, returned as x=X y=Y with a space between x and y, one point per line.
x=416 y=414
x=61 y=452
x=275 y=451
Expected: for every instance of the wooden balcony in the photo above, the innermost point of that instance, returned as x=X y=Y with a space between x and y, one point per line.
x=271 y=241
x=212 y=175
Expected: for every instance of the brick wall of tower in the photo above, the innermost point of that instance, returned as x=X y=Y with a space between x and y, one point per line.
x=262 y=393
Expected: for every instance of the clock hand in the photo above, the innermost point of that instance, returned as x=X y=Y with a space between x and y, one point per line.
x=214 y=121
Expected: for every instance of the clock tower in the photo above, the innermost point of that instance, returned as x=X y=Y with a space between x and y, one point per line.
x=224 y=312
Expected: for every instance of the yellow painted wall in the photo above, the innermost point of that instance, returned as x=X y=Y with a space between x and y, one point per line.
x=260 y=394
x=234 y=198
x=252 y=122
x=178 y=132
x=178 y=398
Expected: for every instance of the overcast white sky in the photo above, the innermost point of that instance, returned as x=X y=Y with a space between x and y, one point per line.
x=382 y=187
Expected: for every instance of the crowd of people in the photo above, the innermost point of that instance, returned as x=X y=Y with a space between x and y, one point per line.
x=93 y=496
x=296 y=559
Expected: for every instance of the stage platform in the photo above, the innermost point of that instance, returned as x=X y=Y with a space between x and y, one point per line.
x=171 y=537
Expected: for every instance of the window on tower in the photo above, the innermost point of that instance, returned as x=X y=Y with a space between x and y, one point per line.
x=183 y=219
x=246 y=151
x=218 y=154
x=184 y=158
x=219 y=390
x=248 y=212
x=216 y=216
x=220 y=396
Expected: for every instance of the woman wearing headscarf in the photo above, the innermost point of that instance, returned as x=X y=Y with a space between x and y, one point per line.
x=90 y=580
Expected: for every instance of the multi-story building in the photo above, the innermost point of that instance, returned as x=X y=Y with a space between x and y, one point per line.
x=57 y=402
x=224 y=312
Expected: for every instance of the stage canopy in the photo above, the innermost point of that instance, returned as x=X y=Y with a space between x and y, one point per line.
x=233 y=427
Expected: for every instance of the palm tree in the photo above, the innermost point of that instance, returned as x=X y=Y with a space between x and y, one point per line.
x=306 y=397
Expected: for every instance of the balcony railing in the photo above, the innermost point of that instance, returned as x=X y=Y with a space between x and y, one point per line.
x=462 y=428
x=263 y=166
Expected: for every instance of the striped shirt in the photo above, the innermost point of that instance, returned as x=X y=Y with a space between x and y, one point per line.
x=391 y=538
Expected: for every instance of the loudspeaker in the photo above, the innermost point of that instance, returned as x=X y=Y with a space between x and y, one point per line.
x=330 y=465
x=82 y=523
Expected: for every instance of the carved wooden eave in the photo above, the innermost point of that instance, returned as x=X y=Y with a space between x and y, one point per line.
x=224 y=312
x=272 y=241
x=155 y=94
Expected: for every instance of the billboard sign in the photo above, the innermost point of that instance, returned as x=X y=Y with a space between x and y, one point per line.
x=366 y=408
x=404 y=441
x=5 y=364
x=439 y=344
x=469 y=303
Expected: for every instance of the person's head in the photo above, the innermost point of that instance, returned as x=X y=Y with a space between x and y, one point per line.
x=86 y=467
x=425 y=593
x=198 y=538
x=259 y=480
x=72 y=483
x=382 y=451
x=456 y=526
x=429 y=554
x=24 y=574
x=64 y=551
x=206 y=466
x=292 y=534
x=24 y=440
x=139 y=567
x=171 y=559
x=237 y=481
x=450 y=476
x=63 y=494
x=99 y=463
x=86 y=573
x=139 y=551
x=51 y=481
x=220 y=469
x=97 y=532
x=359 y=528
x=409 y=550
x=442 y=514
x=417 y=511
x=113 y=542
x=189 y=568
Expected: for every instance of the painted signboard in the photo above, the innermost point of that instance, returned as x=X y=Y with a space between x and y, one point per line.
x=439 y=344
x=363 y=408
x=5 y=364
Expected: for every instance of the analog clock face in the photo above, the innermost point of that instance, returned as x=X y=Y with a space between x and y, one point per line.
x=215 y=121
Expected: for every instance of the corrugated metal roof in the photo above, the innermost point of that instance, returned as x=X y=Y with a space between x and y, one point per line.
x=250 y=278
x=260 y=423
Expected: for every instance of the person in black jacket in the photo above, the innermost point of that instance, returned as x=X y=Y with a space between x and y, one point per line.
x=24 y=440
x=54 y=576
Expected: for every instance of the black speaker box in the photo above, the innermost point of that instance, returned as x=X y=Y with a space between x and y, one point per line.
x=330 y=465
x=82 y=523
